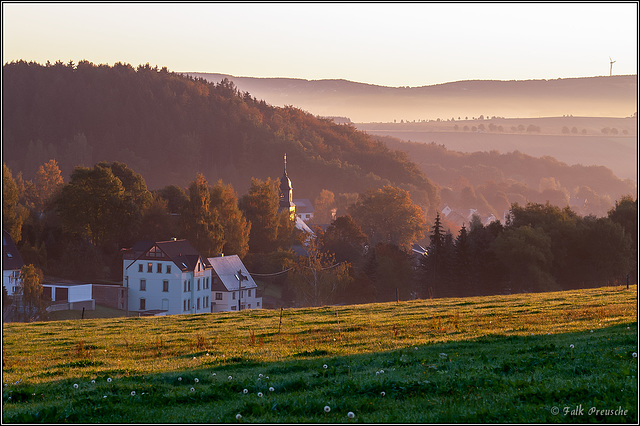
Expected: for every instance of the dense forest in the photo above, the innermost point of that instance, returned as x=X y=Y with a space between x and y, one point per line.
x=168 y=127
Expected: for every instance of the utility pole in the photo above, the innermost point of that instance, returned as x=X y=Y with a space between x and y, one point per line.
x=240 y=278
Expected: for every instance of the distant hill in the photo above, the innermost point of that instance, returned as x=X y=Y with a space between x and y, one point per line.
x=168 y=127
x=589 y=141
x=614 y=96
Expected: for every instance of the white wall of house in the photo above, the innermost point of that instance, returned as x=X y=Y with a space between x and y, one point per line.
x=76 y=292
x=10 y=280
x=162 y=285
x=228 y=300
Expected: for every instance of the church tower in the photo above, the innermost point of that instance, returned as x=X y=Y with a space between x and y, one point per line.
x=286 y=193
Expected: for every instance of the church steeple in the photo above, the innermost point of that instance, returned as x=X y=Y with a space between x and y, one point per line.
x=286 y=192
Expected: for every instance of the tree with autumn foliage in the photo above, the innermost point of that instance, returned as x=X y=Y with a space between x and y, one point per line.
x=387 y=215
x=235 y=226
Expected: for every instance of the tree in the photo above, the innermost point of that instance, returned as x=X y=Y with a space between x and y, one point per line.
x=157 y=223
x=94 y=206
x=13 y=213
x=260 y=207
x=201 y=223
x=31 y=278
x=324 y=207
x=317 y=278
x=235 y=226
x=462 y=267
x=344 y=239
x=388 y=215
x=47 y=184
x=177 y=199
x=525 y=253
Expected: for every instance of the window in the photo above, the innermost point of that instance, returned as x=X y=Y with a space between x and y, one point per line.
x=233 y=308
x=189 y=285
x=140 y=267
x=198 y=288
x=218 y=296
x=249 y=292
x=159 y=268
x=233 y=295
x=165 y=286
x=143 y=285
x=258 y=304
x=198 y=303
x=149 y=267
x=143 y=304
x=168 y=269
x=184 y=305
x=249 y=306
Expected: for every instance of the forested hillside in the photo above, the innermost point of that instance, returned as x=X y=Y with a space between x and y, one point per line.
x=168 y=127
x=491 y=182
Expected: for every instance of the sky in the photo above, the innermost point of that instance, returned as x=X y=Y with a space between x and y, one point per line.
x=386 y=44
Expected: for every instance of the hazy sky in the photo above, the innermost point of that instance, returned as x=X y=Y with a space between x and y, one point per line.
x=389 y=44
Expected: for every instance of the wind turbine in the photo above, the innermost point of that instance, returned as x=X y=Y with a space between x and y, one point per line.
x=611 y=66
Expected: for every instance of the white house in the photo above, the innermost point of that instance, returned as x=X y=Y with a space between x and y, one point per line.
x=228 y=273
x=304 y=209
x=11 y=264
x=166 y=278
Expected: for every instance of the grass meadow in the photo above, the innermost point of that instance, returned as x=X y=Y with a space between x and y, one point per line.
x=558 y=357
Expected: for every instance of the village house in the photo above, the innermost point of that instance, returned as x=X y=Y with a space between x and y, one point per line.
x=166 y=278
x=12 y=264
x=171 y=277
x=227 y=295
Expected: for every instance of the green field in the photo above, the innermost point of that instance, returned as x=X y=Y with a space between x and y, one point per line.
x=498 y=359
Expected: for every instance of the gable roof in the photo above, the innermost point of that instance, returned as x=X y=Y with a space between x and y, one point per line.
x=180 y=252
x=226 y=268
x=11 y=259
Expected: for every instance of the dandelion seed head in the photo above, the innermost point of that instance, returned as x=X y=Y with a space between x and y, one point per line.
x=133 y=393
x=245 y=391
x=327 y=408
x=196 y=380
x=260 y=375
x=350 y=414
x=193 y=390
x=109 y=379
x=213 y=374
x=179 y=379
x=104 y=396
x=230 y=377
x=259 y=394
x=571 y=346
x=93 y=381
x=238 y=416
x=325 y=366
x=382 y=393
x=75 y=386
x=271 y=389
x=635 y=355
